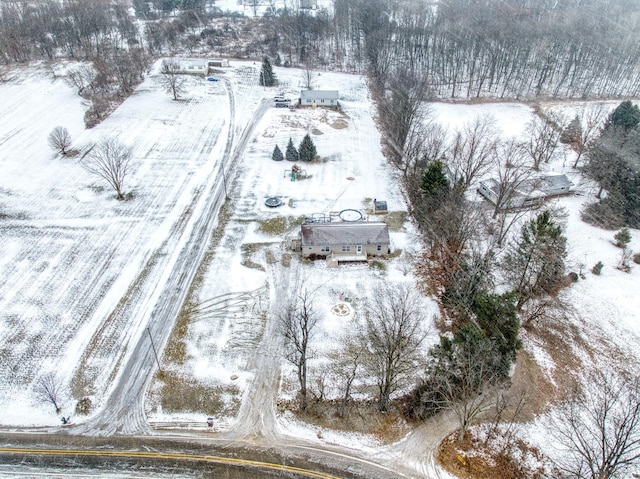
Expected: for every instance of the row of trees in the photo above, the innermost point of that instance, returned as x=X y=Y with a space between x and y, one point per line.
x=305 y=152
x=501 y=49
x=614 y=162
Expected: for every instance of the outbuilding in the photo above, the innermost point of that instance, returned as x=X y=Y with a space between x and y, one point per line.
x=529 y=193
x=344 y=240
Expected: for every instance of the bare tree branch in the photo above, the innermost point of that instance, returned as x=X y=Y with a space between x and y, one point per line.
x=599 y=428
x=110 y=160
x=297 y=323
x=48 y=389
x=60 y=139
x=172 y=78
x=393 y=332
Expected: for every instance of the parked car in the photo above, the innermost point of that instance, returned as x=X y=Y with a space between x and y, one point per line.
x=212 y=79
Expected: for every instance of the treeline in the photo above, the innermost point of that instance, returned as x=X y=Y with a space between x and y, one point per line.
x=71 y=28
x=508 y=49
x=514 y=49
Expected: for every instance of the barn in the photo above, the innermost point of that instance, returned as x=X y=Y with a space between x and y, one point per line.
x=344 y=240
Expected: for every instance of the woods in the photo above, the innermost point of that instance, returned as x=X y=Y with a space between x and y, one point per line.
x=505 y=50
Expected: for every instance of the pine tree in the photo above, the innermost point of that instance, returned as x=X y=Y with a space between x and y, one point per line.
x=434 y=180
x=534 y=264
x=626 y=116
x=307 y=149
x=277 y=154
x=292 y=153
x=267 y=77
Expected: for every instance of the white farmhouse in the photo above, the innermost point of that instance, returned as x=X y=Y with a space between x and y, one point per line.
x=319 y=98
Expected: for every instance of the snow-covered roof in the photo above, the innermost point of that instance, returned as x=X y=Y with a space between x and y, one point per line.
x=319 y=94
x=344 y=233
x=541 y=186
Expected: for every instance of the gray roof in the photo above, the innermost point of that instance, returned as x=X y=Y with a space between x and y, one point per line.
x=344 y=233
x=319 y=94
x=540 y=186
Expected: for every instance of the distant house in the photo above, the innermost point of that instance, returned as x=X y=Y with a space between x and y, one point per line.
x=194 y=66
x=319 y=98
x=344 y=240
x=529 y=193
x=218 y=62
x=197 y=66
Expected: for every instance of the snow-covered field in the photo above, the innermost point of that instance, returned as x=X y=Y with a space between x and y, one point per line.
x=75 y=262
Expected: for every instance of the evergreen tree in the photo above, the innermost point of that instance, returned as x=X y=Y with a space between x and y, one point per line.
x=434 y=180
x=278 y=60
x=534 y=264
x=277 y=154
x=626 y=115
x=291 y=153
x=267 y=77
x=572 y=134
x=307 y=150
x=497 y=316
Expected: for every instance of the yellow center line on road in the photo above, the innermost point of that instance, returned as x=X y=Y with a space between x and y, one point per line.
x=160 y=455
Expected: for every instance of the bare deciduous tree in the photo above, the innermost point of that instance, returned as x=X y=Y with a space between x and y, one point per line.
x=83 y=77
x=393 y=332
x=590 y=127
x=110 y=160
x=346 y=363
x=401 y=109
x=307 y=75
x=49 y=389
x=172 y=77
x=599 y=428
x=472 y=150
x=60 y=139
x=512 y=174
x=543 y=141
x=297 y=321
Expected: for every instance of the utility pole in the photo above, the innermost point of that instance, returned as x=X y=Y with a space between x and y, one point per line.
x=155 y=353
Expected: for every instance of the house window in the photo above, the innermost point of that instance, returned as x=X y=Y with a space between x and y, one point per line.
x=379 y=247
x=325 y=249
x=322 y=101
x=346 y=248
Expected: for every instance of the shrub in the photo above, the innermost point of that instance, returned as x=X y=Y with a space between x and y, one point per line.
x=597 y=268
x=377 y=265
x=622 y=237
x=84 y=406
x=636 y=258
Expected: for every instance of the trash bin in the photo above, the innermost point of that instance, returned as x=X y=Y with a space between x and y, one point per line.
x=210 y=421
